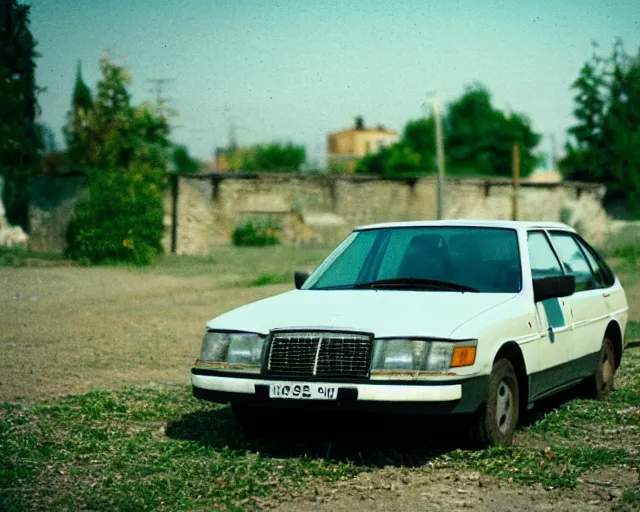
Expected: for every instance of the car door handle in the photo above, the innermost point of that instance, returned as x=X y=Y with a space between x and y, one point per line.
x=606 y=294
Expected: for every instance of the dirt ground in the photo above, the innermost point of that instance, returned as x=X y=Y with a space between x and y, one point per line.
x=66 y=330
x=394 y=490
x=69 y=330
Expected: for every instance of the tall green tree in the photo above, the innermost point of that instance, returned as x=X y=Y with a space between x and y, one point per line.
x=19 y=135
x=413 y=155
x=81 y=106
x=183 y=162
x=605 y=141
x=479 y=138
x=124 y=150
x=273 y=157
x=585 y=149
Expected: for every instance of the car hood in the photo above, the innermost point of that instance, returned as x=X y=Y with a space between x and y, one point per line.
x=382 y=312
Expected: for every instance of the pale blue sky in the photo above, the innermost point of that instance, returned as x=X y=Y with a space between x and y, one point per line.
x=299 y=69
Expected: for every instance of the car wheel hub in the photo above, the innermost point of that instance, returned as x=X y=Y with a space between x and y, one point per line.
x=504 y=407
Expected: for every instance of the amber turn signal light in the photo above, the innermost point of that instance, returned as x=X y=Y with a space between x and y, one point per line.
x=463 y=356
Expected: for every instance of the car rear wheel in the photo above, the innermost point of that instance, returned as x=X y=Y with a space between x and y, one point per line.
x=600 y=384
x=496 y=423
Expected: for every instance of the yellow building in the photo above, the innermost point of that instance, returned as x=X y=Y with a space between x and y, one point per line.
x=344 y=148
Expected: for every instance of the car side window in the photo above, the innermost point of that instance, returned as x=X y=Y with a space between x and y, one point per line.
x=602 y=270
x=544 y=262
x=593 y=263
x=574 y=261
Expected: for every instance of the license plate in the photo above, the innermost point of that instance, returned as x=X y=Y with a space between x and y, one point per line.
x=303 y=391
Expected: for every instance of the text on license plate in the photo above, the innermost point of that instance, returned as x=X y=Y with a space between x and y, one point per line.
x=303 y=391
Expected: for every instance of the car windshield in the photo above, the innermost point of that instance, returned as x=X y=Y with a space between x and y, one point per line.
x=462 y=259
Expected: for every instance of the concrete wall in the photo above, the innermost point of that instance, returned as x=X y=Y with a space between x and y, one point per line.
x=51 y=205
x=326 y=208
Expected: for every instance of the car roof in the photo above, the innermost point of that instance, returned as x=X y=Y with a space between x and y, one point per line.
x=485 y=223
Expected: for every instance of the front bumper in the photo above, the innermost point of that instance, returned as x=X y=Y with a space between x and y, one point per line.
x=410 y=397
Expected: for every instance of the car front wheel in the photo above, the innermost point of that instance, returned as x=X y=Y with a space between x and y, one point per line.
x=497 y=421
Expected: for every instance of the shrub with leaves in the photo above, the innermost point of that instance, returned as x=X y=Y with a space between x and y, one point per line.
x=256 y=233
x=124 y=151
x=120 y=219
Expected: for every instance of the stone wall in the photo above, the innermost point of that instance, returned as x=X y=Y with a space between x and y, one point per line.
x=315 y=208
x=51 y=205
x=320 y=208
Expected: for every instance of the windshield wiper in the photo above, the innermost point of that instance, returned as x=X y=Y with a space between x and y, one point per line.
x=418 y=283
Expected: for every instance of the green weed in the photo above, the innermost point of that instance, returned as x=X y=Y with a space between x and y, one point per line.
x=271 y=278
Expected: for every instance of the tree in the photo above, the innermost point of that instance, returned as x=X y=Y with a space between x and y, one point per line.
x=19 y=136
x=77 y=118
x=183 y=162
x=581 y=161
x=605 y=142
x=413 y=155
x=479 y=138
x=124 y=151
x=279 y=157
x=274 y=157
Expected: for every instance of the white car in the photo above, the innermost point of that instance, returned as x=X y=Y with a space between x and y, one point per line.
x=474 y=318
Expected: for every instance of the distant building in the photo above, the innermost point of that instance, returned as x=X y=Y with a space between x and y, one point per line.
x=346 y=147
x=542 y=175
x=221 y=162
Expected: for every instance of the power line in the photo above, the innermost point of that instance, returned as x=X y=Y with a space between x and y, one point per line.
x=158 y=89
x=161 y=100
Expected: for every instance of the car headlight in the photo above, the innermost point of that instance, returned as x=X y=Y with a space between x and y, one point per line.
x=415 y=355
x=232 y=350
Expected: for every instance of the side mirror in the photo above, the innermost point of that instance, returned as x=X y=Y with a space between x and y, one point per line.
x=553 y=287
x=300 y=278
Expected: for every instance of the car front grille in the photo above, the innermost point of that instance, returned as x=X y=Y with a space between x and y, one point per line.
x=321 y=354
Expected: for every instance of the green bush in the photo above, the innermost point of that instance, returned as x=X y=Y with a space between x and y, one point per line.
x=630 y=252
x=120 y=220
x=256 y=233
x=267 y=278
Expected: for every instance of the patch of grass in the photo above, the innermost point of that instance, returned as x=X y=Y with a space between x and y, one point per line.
x=241 y=264
x=552 y=467
x=271 y=278
x=158 y=448
x=630 y=253
x=23 y=257
x=633 y=331
x=74 y=329
x=115 y=451
x=630 y=501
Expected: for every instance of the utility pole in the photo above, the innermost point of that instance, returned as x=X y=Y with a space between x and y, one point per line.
x=515 y=165
x=162 y=101
x=440 y=159
x=232 y=128
x=158 y=89
x=515 y=172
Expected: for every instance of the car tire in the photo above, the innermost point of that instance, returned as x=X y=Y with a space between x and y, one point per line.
x=599 y=385
x=497 y=420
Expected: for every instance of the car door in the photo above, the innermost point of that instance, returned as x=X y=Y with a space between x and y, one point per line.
x=589 y=311
x=555 y=348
